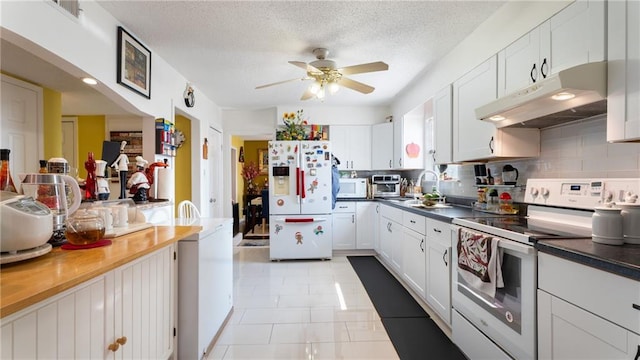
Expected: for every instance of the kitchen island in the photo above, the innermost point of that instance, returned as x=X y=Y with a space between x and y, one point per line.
x=91 y=303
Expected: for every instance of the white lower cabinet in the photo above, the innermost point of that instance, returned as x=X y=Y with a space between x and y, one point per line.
x=585 y=313
x=365 y=225
x=413 y=260
x=126 y=313
x=205 y=289
x=391 y=237
x=344 y=225
x=438 y=268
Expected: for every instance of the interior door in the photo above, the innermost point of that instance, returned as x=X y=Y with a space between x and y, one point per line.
x=69 y=143
x=215 y=169
x=21 y=124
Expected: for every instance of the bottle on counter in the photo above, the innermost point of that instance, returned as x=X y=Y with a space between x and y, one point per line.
x=6 y=182
x=489 y=177
x=43 y=167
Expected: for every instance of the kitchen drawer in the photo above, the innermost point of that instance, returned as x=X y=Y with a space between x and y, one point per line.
x=414 y=222
x=607 y=295
x=439 y=232
x=391 y=213
x=345 y=207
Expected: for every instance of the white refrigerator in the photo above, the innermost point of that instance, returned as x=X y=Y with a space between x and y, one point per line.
x=300 y=200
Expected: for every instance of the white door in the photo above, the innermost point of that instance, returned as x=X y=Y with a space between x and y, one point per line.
x=215 y=171
x=21 y=125
x=69 y=143
x=344 y=231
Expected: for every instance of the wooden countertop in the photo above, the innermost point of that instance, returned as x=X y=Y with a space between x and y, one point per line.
x=27 y=282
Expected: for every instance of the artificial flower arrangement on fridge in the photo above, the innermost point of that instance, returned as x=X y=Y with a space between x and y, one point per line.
x=297 y=127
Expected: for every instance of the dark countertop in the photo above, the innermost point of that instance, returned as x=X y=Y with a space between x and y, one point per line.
x=621 y=260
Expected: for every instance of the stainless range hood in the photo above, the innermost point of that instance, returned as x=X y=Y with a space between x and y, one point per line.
x=576 y=93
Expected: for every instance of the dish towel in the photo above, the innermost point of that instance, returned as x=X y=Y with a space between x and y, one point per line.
x=479 y=261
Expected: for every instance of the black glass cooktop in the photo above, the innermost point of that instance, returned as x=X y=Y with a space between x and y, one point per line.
x=535 y=230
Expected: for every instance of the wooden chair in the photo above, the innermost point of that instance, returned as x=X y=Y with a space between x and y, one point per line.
x=265 y=209
x=188 y=210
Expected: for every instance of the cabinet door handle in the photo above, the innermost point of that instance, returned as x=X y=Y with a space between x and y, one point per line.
x=400 y=162
x=637 y=354
x=433 y=154
x=542 y=68
x=636 y=306
x=444 y=257
x=412 y=221
x=437 y=230
x=491 y=144
x=533 y=73
x=353 y=219
x=390 y=163
x=422 y=245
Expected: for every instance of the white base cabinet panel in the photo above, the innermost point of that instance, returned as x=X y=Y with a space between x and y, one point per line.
x=344 y=231
x=126 y=313
x=366 y=220
x=438 y=268
x=205 y=289
x=413 y=260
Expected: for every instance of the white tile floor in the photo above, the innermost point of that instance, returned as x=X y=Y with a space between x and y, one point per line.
x=300 y=310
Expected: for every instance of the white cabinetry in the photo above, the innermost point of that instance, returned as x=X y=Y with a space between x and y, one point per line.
x=366 y=218
x=391 y=237
x=438 y=265
x=413 y=251
x=382 y=146
x=408 y=140
x=205 y=288
x=442 y=125
x=574 y=36
x=477 y=140
x=623 y=85
x=344 y=225
x=126 y=313
x=351 y=144
x=574 y=321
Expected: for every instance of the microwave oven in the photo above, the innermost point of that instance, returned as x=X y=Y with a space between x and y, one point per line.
x=353 y=188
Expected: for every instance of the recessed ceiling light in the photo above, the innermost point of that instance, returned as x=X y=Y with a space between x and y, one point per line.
x=497 y=118
x=90 y=81
x=563 y=96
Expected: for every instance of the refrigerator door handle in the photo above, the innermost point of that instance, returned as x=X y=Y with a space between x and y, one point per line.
x=302 y=191
x=298 y=185
x=301 y=220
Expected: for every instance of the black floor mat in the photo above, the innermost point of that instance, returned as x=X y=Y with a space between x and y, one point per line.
x=413 y=334
x=389 y=297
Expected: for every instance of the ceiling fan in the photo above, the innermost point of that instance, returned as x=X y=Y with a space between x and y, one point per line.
x=328 y=77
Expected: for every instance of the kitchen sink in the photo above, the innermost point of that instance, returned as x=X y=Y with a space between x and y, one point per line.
x=418 y=203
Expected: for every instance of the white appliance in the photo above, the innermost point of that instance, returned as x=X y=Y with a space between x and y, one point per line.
x=571 y=94
x=353 y=188
x=27 y=225
x=300 y=200
x=503 y=326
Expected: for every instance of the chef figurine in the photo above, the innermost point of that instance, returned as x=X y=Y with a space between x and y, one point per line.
x=139 y=183
x=101 y=183
x=122 y=165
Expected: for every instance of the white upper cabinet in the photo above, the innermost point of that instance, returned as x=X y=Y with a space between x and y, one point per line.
x=351 y=144
x=442 y=126
x=474 y=139
x=382 y=146
x=408 y=140
x=574 y=36
x=623 y=87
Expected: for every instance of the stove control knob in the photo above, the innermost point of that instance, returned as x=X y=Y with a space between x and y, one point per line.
x=534 y=192
x=608 y=196
x=544 y=192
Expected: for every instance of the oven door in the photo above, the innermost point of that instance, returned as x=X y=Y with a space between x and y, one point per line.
x=508 y=318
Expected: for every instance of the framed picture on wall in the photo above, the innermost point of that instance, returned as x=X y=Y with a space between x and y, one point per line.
x=263 y=161
x=134 y=64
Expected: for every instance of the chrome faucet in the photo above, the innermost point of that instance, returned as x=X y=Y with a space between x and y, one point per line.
x=426 y=171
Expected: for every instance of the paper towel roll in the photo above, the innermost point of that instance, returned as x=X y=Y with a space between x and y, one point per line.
x=164 y=183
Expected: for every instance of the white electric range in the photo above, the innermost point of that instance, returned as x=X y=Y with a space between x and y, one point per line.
x=503 y=325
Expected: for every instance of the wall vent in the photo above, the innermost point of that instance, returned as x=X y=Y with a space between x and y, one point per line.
x=71 y=6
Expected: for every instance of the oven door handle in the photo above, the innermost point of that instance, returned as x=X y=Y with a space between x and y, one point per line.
x=502 y=243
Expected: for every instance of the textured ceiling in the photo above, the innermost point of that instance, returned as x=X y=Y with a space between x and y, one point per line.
x=227 y=48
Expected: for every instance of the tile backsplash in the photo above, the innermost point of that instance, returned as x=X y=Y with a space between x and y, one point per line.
x=576 y=150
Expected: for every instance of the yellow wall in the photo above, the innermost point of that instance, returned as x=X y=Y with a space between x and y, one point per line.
x=90 y=138
x=251 y=155
x=52 y=121
x=183 y=162
x=237 y=142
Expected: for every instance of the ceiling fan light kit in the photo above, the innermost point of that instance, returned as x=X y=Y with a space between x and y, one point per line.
x=327 y=76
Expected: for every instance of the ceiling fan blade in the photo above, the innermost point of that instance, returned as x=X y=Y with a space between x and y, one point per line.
x=307 y=67
x=307 y=95
x=355 y=85
x=281 y=82
x=364 y=68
